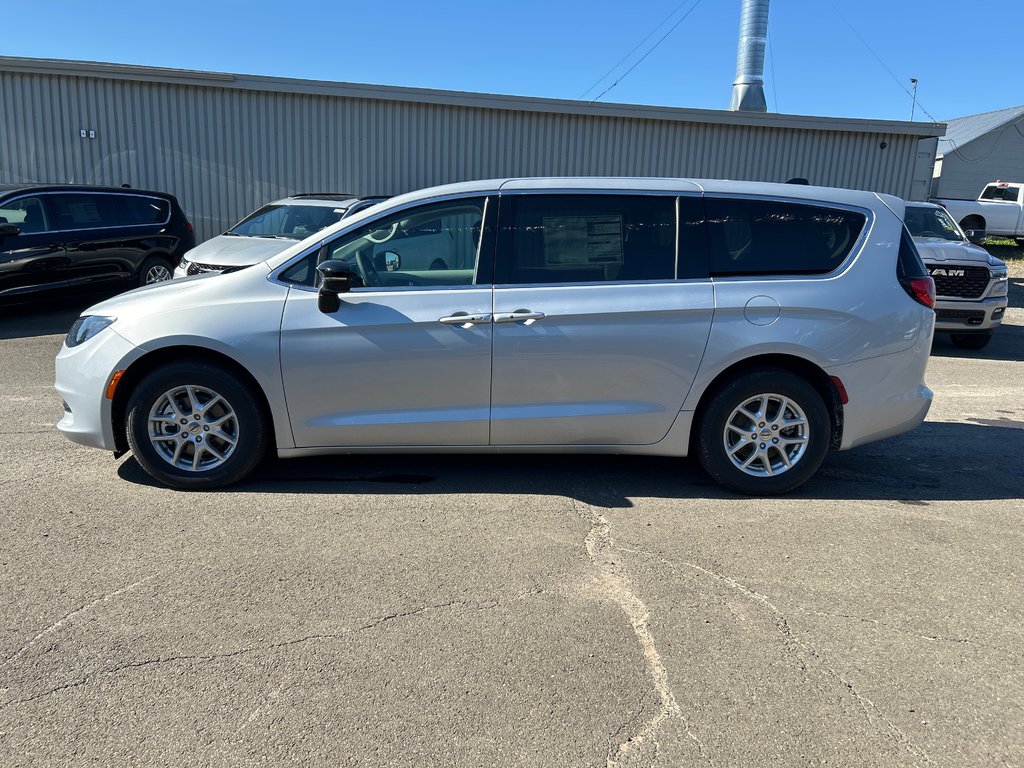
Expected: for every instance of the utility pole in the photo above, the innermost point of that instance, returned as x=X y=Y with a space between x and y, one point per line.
x=913 y=106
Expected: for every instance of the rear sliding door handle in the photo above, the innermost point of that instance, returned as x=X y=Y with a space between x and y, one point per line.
x=464 y=319
x=519 y=315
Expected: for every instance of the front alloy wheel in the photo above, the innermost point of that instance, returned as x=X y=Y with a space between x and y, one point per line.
x=193 y=428
x=195 y=425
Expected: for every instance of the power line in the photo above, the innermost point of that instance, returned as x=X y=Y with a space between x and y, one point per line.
x=879 y=59
x=649 y=51
x=637 y=46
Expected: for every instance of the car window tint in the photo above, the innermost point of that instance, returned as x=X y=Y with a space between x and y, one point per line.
x=588 y=238
x=766 y=237
x=135 y=210
x=28 y=213
x=431 y=245
x=1005 y=194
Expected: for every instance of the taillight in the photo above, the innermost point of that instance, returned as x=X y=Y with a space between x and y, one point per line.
x=191 y=229
x=922 y=290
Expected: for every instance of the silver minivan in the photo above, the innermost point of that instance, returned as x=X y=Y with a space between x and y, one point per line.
x=753 y=325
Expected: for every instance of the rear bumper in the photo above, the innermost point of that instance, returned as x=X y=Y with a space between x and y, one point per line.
x=887 y=394
x=966 y=316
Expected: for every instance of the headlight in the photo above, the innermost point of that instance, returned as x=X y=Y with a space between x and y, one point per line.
x=183 y=264
x=85 y=328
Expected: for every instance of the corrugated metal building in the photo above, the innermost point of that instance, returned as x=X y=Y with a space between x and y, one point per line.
x=225 y=143
x=978 y=149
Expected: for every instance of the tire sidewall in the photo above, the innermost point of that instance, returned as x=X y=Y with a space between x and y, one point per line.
x=711 y=427
x=251 y=424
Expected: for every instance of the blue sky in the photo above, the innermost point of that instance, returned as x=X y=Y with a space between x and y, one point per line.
x=966 y=56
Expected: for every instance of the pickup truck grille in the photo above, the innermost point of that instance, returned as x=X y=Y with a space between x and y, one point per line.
x=959 y=281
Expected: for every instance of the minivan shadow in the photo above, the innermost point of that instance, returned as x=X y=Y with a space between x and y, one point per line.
x=940 y=461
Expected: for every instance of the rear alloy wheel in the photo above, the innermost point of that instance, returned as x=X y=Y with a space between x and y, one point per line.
x=971 y=340
x=765 y=433
x=155 y=270
x=194 y=425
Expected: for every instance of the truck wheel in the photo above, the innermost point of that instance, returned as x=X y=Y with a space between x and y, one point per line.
x=764 y=433
x=971 y=340
x=195 y=426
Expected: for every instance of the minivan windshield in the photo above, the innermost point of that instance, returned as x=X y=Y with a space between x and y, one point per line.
x=292 y=222
x=932 y=222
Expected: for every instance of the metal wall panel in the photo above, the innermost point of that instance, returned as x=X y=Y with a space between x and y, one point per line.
x=224 y=151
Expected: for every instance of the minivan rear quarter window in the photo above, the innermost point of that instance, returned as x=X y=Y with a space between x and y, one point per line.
x=587 y=238
x=767 y=237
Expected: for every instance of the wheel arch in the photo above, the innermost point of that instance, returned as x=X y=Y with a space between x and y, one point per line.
x=973 y=217
x=801 y=366
x=152 y=360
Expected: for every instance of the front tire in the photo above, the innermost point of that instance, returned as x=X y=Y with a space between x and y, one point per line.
x=971 y=340
x=195 y=425
x=764 y=433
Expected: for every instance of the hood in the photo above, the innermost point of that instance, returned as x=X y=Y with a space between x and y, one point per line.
x=185 y=293
x=237 y=251
x=935 y=249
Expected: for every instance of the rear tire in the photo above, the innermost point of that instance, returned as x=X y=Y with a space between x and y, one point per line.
x=971 y=340
x=765 y=433
x=195 y=425
x=155 y=269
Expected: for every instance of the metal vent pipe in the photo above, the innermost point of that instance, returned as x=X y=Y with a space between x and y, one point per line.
x=748 y=88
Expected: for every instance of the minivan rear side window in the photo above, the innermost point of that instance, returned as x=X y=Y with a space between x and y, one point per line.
x=768 y=237
x=586 y=238
x=99 y=210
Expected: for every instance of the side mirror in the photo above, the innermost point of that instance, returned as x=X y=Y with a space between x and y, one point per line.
x=9 y=230
x=336 y=277
x=392 y=261
x=975 y=235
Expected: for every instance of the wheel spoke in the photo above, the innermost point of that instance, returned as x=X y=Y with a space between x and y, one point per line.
x=739 y=445
x=749 y=460
x=213 y=452
x=199 y=450
x=177 y=452
x=762 y=410
x=210 y=403
x=766 y=462
x=220 y=434
x=193 y=400
x=785 y=457
x=799 y=440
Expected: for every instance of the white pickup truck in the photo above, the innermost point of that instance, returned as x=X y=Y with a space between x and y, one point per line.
x=998 y=212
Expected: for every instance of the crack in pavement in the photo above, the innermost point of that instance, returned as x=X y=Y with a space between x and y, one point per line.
x=895 y=628
x=69 y=617
x=374 y=623
x=796 y=645
x=617 y=587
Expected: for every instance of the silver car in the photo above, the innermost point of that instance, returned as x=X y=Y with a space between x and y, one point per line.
x=270 y=230
x=753 y=325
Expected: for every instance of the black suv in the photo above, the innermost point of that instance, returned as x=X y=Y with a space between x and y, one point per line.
x=62 y=236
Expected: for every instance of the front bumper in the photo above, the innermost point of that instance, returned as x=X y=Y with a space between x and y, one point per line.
x=82 y=376
x=962 y=316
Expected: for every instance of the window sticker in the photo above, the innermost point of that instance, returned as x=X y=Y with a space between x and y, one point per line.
x=583 y=239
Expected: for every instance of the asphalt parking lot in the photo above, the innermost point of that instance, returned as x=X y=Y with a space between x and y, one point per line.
x=496 y=611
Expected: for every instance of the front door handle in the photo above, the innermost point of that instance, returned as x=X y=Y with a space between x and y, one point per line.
x=519 y=315
x=464 y=319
